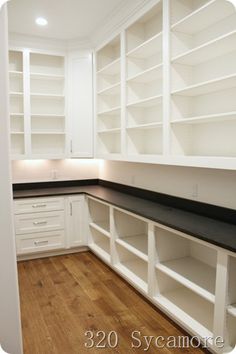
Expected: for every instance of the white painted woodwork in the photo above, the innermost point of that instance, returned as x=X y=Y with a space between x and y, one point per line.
x=75 y=222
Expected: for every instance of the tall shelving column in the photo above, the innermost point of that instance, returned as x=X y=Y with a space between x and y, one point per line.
x=108 y=98
x=17 y=126
x=203 y=85
x=144 y=84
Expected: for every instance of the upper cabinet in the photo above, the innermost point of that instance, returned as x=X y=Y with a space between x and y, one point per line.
x=166 y=87
x=40 y=110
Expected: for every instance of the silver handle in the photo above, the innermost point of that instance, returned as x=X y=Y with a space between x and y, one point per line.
x=40 y=222
x=71 y=209
x=40 y=242
x=39 y=205
x=71 y=146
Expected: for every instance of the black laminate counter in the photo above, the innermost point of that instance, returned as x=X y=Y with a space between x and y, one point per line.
x=216 y=232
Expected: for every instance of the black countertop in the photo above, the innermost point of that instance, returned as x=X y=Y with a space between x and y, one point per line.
x=222 y=234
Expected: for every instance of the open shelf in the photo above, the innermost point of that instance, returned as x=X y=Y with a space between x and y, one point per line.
x=149 y=75
x=144 y=141
x=104 y=81
x=216 y=47
x=132 y=267
x=17 y=123
x=137 y=91
x=208 y=118
x=108 y=103
x=131 y=233
x=108 y=55
x=99 y=216
x=111 y=90
x=17 y=144
x=46 y=86
x=146 y=102
x=47 y=124
x=110 y=120
x=45 y=64
x=143 y=116
x=232 y=288
x=188 y=262
x=231 y=327
x=15 y=61
x=192 y=311
x=48 y=144
x=100 y=244
x=109 y=143
x=43 y=105
x=203 y=139
x=144 y=29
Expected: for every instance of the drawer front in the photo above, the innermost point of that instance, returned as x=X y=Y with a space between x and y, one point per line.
x=36 y=205
x=40 y=242
x=38 y=222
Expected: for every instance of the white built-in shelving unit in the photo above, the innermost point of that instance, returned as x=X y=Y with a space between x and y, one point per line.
x=37 y=104
x=189 y=279
x=178 y=83
x=108 y=98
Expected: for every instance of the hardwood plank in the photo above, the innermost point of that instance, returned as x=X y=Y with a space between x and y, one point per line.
x=63 y=297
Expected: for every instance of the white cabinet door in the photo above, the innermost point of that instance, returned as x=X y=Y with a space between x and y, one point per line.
x=80 y=100
x=75 y=222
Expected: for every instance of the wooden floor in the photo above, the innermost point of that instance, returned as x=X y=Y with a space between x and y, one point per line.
x=63 y=297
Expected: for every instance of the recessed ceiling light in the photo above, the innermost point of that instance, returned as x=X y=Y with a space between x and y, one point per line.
x=41 y=21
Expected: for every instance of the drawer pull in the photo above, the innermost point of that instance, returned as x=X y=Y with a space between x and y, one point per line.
x=37 y=243
x=40 y=222
x=39 y=205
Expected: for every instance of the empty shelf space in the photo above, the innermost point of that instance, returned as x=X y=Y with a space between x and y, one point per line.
x=47 y=95
x=41 y=76
x=17 y=144
x=109 y=54
x=144 y=29
x=15 y=61
x=232 y=310
x=194 y=312
x=111 y=130
x=207 y=51
x=109 y=143
x=48 y=124
x=133 y=268
x=144 y=117
x=146 y=102
x=192 y=273
x=145 y=141
x=231 y=328
x=147 y=48
x=145 y=126
x=188 y=262
x=17 y=124
x=45 y=64
x=99 y=215
x=48 y=144
x=113 y=68
x=100 y=244
x=101 y=226
x=203 y=17
x=218 y=84
x=149 y=75
x=139 y=92
x=137 y=244
x=111 y=90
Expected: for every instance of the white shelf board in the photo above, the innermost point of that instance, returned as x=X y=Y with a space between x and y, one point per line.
x=195 y=275
x=107 y=131
x=231 y=309
x=17 y=133
x=20 y=115
x=146 y=76
x=218 y=84
x=44 y=115
x=147 y=48
x=111 y=90
x=47 y=133
x=123 y=268
x=188 y=309
x=101 y=226
x=210 y=50
x=209 y=118
x=145 y=126
x=16 y=73
x=110 y=111
x=137 y=244
x=16 y=94
x=100 y=252
x=47 y=95
x=39 y=76
x=112 y=68
x=203 y=17
x=146 y=102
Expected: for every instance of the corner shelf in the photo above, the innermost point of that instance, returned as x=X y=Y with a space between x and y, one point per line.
x=148 y=75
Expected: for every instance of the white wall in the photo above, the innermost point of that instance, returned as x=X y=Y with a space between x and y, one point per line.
x=10 y=329
x=212 y=186
x=48 y=170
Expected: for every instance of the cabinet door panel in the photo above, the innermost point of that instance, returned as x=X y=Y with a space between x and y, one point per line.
x=81 y=105
x=76 y=236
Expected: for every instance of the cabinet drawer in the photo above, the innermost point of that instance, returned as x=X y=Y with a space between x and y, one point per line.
x=30 y=223
x=42 y=241
x=36 y=205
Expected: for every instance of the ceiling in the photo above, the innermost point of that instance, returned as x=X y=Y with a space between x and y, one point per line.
x=67 y=19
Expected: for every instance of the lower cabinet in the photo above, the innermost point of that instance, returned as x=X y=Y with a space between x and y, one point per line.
x=49 y=224
x=75 y=220
x=192 y=281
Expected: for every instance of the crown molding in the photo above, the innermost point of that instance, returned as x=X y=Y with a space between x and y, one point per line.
x=119 y=19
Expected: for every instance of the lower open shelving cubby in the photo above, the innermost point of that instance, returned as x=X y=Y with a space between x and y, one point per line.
x=189 y=309
x=189 y=262
x=109 y=142
x=99 y=216
x=100 y=244
x=231 y=326
x=132 y=267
